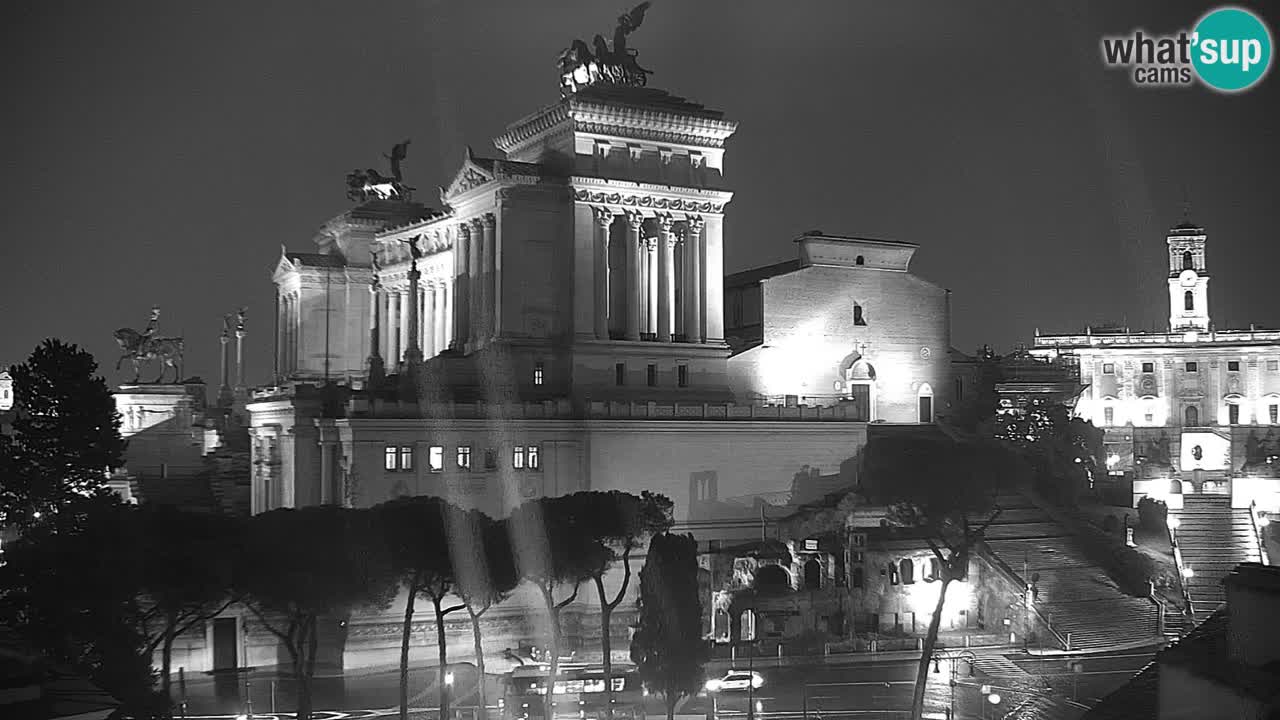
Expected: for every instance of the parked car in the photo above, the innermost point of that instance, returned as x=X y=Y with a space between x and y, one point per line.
x=736 y=680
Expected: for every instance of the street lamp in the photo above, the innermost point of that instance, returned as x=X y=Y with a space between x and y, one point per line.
x=953 y=658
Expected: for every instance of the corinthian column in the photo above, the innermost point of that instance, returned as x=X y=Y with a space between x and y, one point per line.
x=462 y=287
x=604 y=219
x=651 y=285
x=693 y=279
x=634 y=221
x=666 y=277
x=476 y=282
x=412 y=351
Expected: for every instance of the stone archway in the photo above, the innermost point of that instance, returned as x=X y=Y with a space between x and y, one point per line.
x=772 y=579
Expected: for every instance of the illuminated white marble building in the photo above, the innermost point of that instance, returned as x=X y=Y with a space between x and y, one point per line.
x=1197 y=404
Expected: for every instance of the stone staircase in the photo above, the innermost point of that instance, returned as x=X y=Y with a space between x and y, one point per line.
x=1213 y=538
x=1073 y=594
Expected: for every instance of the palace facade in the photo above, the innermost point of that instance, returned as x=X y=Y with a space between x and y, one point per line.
x=1192 y=409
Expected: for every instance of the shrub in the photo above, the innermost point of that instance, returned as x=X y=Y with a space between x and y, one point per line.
x=1152 y=514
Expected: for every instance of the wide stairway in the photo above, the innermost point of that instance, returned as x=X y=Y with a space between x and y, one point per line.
x=1213 y=538
x=1074 y=595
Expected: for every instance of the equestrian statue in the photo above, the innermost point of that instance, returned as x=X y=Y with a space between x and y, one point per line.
x=369 y=184
x=581 y=67
x=145 y=346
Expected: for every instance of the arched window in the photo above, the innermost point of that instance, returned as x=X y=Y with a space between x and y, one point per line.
x=859 y=577
x=924 y=401
x=857 y=316
x=813 y=575
x=907 y=570
x=859 y=261
x=1188 y=261
x=1191 y=416
x=1188 y=300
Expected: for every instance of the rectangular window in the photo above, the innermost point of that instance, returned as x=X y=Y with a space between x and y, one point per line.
x=435 y=458
x=389 y=458
x=1233 y=366
x=651 y=374
x=620 y=374
x=1149 y=417
x=1148 y=367
x=1233 y=414
x=1108 y=416
x=1274 y=413
x=537 y=373
x=1273 y=365
x=464 y=457
x=532 y=457
x=811 y=545
x=682 y=375
x=490 y=459
x=1193 y=367
x=406 y=457
x=517 y=457
x=1108 y=368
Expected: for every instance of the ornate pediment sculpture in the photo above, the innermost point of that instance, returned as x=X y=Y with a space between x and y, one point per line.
x=581 y=66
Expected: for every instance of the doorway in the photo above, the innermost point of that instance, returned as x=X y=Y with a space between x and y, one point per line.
x=224 y=644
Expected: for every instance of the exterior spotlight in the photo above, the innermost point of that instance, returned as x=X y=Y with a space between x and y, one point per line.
x=1187 y=572
x=1264 y=520
x=1174 y=523
x=448 y=679
x=993 y=698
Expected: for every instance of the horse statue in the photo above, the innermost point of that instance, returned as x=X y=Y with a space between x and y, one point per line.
x=140 y=348
x=582 y=65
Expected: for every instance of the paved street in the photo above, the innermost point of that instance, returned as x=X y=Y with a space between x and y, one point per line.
x=1029 y=688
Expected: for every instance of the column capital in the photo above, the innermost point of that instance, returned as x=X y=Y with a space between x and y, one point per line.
x=477 y=224
x=649 y=243
x=464 y=230
x=695 y=223
x=604 y=216
x=667 y=223
x=634 y=219
x=489 y=220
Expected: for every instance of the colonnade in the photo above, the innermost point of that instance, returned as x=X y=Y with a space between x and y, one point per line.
x=653 y=287
x=434 y=317
x=288 y=336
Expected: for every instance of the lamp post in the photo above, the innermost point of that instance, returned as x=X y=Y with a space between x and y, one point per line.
x=953 y=658
x=448 y=689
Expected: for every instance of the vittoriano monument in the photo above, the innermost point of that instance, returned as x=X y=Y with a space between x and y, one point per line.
x=370 y=184
x=145 y=346
x=580 y=67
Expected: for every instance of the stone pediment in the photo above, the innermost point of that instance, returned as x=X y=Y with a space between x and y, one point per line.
x=470 y=176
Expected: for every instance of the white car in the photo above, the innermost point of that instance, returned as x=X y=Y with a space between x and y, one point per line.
x=736 y=680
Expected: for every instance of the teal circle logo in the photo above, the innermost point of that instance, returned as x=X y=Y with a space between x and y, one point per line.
x=1231 y=49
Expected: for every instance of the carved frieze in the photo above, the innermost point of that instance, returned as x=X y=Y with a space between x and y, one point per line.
x=648 y=202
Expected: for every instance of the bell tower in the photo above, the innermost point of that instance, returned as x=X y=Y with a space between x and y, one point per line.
x=1188 y=279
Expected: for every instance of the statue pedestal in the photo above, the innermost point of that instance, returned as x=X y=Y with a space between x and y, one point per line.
x=164 y=425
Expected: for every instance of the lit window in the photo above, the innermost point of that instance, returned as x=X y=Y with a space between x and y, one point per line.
x=1233 y=366
x=1108 y=416
x=532 y=458
x=389 y=458
x=1108 y=368
x=811 y=545
x=620 y=374
x=464 y=457
x=1149 y=417
x=1148 y=367
x=435 y=458
x=682 y=375
x=406 y=457
x=1193 y=367
x=537 y=373
x=517 y=457
x=651 y=374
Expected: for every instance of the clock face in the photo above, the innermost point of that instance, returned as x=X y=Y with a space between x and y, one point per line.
x=1188 y=278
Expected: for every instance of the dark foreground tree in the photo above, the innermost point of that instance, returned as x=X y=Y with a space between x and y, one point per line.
x=66 y=437
x=299 y=567
x=947 y=490
x=554 y=548
x=485 y=573
x=417 y=536
x=621 y=521
x=667 y=648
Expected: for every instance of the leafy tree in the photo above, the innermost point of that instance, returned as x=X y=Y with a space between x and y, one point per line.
x=621 y=521
x=418 y=538
x=66 y=437
x=938 y=486
x=485 y=573
x=300 y=566
x=554 y=547
x=1063 y=451
x=667 y=648
x=186 y=574
x=70 y=589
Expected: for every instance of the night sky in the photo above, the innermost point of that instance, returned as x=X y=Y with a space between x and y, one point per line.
x=160 y=153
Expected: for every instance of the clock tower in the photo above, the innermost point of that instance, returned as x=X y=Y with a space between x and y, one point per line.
x=1188 y=279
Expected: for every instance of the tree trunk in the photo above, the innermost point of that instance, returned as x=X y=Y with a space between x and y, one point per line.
x=553 y=613
x=481 y=701
x=300 y=670
x=606 y=648
x=405 y=636
x=166 y=661
x=444 y=655
x=926 y=653
x=671 y=706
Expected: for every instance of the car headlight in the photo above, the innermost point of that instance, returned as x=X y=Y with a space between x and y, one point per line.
x=713 y=685
x=756 y=681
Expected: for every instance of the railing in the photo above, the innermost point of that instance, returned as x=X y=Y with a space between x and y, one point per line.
x=1130 y=338
x=1177 y=561
x=1257 y=532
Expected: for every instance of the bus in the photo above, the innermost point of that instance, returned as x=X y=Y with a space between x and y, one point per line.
x=580 y=694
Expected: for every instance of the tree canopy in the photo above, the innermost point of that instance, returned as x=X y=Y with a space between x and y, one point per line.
x=667 y=647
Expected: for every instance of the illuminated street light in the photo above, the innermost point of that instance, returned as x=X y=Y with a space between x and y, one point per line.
x=1174 y=522
x=448 y=679
x=1187 y=572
